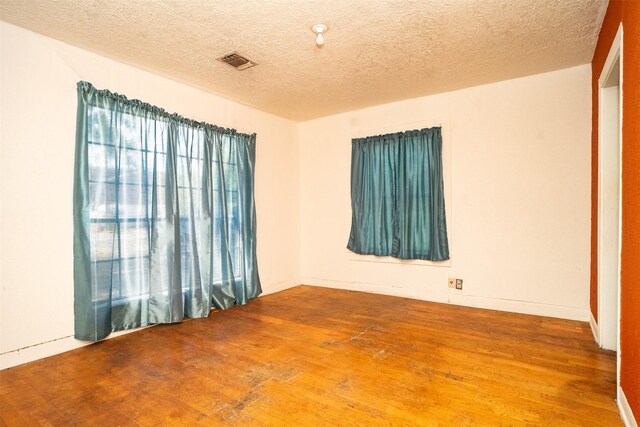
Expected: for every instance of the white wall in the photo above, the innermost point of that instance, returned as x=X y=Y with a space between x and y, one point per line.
x=517 y=176
x=38 y=113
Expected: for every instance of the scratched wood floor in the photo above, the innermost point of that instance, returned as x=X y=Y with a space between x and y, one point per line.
x=312 y=356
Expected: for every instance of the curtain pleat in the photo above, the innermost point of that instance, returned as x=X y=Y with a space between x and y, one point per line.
x=397 y=196
x=164 y=216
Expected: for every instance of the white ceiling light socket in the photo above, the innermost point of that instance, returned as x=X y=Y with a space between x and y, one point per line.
x=319 y=29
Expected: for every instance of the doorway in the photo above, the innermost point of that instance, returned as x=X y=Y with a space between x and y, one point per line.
x=609 y=207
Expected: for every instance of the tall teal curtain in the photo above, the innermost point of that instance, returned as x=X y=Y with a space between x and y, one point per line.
x=397 y=196
x=164 y=216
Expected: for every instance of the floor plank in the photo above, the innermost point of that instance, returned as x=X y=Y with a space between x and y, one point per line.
x=317 y=356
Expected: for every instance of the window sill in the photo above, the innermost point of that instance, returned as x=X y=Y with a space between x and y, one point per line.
x=391 y=260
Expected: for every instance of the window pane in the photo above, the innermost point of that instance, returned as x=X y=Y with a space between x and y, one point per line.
x=129 y=278
x=102 y=163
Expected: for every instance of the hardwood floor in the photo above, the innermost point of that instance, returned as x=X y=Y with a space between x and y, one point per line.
x=312 y=356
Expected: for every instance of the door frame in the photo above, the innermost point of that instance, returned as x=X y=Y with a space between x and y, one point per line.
x=614 y=58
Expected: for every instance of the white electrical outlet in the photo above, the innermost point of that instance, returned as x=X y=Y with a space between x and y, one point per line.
x=452 y=282
x=459 y=284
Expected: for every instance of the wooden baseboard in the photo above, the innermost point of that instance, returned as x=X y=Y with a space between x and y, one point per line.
x=49 y=348
x=524 y=307
x=279 y=286
x=625 y=410
x=594 y=328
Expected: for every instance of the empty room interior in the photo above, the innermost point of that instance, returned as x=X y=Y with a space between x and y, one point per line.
x=309 y=213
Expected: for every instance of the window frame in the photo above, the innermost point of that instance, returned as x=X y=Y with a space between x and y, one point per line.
x=123 y=298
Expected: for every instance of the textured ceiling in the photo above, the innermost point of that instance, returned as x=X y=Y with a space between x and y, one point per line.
x=376 y=51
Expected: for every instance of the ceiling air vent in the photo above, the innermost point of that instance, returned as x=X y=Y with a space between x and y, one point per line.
x=237 y=61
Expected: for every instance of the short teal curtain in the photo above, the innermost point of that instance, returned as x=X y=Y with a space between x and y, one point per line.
x=397 y=196
x=164 y=216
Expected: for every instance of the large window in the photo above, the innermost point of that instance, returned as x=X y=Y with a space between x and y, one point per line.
x=121 y=190
x=164 y=216
x=397 y=196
